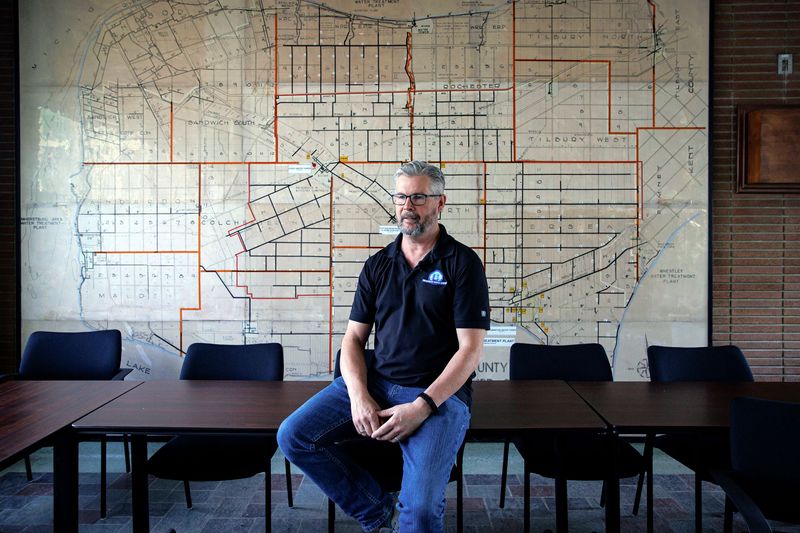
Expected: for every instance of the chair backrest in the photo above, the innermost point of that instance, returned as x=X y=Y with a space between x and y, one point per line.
x=574 y=362
x=765 y=438
x=52 y=355
x=369 y=359
x=706 y=363
x=247 y=362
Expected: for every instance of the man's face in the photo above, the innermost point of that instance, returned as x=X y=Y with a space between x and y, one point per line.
x=414 y=220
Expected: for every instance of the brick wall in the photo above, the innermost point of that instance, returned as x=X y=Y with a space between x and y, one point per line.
x=756 y=237
x=9 y=330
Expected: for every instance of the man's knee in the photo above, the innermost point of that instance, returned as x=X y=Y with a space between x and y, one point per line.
x=288 y=440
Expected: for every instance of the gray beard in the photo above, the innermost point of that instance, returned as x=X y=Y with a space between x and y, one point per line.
x=414 y=231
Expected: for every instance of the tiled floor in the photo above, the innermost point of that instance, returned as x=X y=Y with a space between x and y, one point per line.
x=238 y=506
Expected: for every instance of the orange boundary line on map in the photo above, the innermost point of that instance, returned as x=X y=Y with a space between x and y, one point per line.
x=199 y=271
x=171 y=131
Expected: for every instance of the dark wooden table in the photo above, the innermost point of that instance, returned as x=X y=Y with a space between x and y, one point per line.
x=500 y=407
x=643 y=407
x=35 y=413
x=194 y=407
x=639 y=407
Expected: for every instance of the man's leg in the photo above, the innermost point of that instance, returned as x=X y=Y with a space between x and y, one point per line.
x=428 y=457
x=307 y=438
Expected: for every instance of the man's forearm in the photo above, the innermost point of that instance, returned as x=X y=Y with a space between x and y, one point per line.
x=458 y=369
x=352 y=364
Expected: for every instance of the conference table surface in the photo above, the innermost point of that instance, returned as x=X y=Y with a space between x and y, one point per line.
x=519 y=406
x=641 y=407
x=33 y=411
x=260 y=406
x=188 y=406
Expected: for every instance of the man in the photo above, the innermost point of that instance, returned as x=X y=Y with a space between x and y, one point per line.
x=427 y=296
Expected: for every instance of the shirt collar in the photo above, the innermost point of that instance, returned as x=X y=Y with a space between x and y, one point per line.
x=444 y=245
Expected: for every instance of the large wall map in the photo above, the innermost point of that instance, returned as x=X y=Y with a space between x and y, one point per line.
x=218 y=171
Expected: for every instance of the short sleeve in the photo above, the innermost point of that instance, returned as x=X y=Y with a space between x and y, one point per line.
x=363 y=309
x=471 y=300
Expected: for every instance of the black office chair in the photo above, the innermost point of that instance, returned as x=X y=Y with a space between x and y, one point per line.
x=218 y=458
x=699 y=453
x=384 y=461
x=564 y=457
x=764 y=480
x=87 y=355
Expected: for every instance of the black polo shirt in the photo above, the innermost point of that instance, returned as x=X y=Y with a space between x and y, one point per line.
x=416 y=311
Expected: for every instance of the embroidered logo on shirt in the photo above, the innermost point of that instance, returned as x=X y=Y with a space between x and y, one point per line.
x=435 y=278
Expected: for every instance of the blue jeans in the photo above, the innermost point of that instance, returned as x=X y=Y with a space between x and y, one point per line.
x=308 y=439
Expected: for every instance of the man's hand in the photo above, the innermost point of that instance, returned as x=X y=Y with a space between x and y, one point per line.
x=366 y=414
x=403 y=420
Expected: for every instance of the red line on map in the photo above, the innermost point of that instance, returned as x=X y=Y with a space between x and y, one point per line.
x=199 y=271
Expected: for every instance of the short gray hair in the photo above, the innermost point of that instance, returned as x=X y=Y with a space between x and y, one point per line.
x=423 y=168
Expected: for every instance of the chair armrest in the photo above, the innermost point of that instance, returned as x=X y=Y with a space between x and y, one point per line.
x=121 y=374
x=756 y=522
x=8 y=377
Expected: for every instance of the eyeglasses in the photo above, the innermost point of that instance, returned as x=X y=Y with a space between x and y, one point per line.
x=416 y=198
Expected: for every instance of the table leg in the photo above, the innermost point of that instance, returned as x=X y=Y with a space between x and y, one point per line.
x=65 y=482
x=648 y=452
x=268 y=496
x=612 y=487
x=140 y=497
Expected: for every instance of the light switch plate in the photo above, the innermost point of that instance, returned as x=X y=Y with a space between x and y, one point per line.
x=784 y=63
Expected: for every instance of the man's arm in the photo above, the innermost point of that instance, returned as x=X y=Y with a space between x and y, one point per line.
x=363 y=408
x=404 y=419
x=460 y=367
